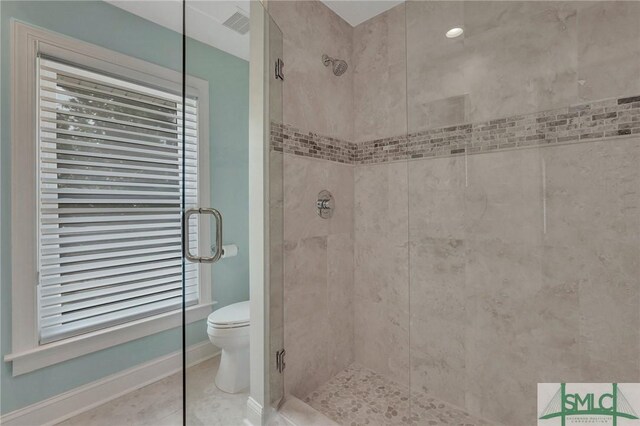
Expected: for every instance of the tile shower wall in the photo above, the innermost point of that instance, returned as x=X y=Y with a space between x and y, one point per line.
x=524 y=269
x=318 y=253
x=318 y=264
x=517 y=57
x=381 y=270
x=379 y=76
x=523 y=261
x=510 y=251
x=314 y=99
x=502 y=65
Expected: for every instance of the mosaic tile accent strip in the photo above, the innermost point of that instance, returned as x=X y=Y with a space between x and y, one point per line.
x=383 y=150
x=580 y=123
x=358 y=396
x=288 y=139
x=586 y=122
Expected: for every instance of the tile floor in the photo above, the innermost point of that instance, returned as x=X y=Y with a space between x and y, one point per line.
x=160 y=403
x=358 y=396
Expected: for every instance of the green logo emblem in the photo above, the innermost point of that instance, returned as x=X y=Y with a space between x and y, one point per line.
x=610 y=404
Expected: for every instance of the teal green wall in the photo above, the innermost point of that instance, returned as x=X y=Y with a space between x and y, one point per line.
x=105 y=25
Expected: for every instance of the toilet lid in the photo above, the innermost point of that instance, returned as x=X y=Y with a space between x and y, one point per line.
x=235 y=315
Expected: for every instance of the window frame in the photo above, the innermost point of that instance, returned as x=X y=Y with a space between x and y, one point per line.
x=27 y=354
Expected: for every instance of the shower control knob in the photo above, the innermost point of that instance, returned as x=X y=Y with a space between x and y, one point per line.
x=325 y=204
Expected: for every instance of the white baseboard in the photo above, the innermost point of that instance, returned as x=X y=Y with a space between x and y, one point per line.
x=297 y=413
x=255 y=413
x=83 y=398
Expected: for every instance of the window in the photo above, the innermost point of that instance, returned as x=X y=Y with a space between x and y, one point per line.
x=110 y=178
x=96 y=172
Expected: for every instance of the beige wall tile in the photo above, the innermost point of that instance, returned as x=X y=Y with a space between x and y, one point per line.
x=502 y=279
x=513 y=58
x=318 y=259
x=495 y=391
x=379 y=77
x=340 y=301
x=608 y=49
x=427 y=23
x=381 y=293
x=371 y=339
x=438 y=317
x=481 y=16
x=516 y=57
x=435 y=65
x=305 y=314
x=314 y=98
x=592 y=192
x=437 y=198
x=540 y=306
x=503 y=197
x=305 y=278
x=523 y=66
x=340 y=184
x=557 y=337
x=304 y=178
x=438 y=359
x=438 y=287
x=609 y=307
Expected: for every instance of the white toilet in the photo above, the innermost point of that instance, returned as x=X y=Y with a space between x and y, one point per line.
x=228 y=329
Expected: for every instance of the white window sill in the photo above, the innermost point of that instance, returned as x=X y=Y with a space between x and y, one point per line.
x=53 y=353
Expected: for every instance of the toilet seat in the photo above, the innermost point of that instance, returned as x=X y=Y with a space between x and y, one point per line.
x=228 y=329
x=228 y=332
x=227 y=326
x=235 y=315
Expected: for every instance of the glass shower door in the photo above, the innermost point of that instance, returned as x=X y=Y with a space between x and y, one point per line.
x=216 y=199
x=95 y=105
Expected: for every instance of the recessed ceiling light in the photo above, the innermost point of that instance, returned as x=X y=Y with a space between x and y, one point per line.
x=454 y=32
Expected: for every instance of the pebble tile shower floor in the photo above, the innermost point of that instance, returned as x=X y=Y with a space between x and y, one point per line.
x=358 y=396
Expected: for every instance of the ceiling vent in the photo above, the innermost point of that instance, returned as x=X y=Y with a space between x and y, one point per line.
x=238 y=22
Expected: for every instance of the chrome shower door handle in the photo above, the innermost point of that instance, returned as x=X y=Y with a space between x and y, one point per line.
x=185 y=235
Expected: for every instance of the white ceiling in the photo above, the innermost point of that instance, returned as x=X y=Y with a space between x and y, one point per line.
x=204 y=20
x=356 y=12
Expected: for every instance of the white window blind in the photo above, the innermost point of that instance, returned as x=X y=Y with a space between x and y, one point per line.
x=110 y=176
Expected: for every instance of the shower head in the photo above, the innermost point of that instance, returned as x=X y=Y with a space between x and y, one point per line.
x=339 y=66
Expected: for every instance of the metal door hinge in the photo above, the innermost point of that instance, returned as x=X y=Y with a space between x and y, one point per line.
x=280 y=364
x=279 y=69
